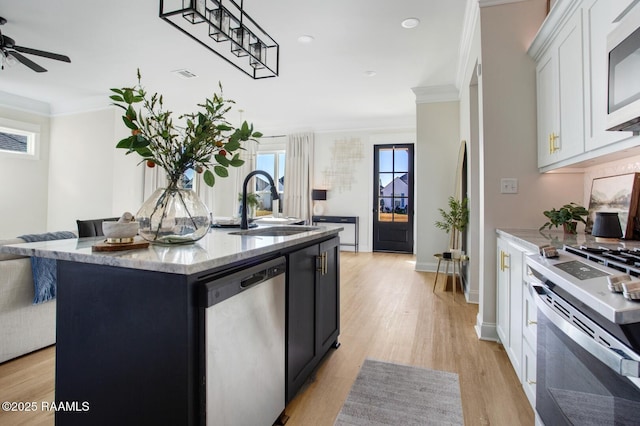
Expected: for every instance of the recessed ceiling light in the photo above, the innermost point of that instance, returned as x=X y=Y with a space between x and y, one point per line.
x=370 y=73
x=410 y=23
x=305 y=39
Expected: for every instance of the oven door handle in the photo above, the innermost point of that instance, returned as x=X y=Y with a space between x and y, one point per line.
x=615 y=359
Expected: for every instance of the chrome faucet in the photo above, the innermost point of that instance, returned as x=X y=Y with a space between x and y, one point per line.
x=244 y=224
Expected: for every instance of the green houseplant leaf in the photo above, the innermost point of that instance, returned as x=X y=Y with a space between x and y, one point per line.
x=568 y=214
x=201 y=143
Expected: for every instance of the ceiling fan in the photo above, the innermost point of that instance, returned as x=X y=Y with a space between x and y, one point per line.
x=8 y=49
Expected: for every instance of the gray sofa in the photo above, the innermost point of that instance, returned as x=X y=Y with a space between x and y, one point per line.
x=24 y=327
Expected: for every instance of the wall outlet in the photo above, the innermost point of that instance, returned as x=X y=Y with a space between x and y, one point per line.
x=508 y=186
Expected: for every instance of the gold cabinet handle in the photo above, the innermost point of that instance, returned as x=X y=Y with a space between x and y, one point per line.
x=530 y=322
x=323 y=259
x=503 y=264
x=531 y=382
x=326 y=263
x=552 y=143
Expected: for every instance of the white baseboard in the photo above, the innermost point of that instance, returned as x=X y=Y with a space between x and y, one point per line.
x=426 y=266
x=473 y=297
x=486 y=331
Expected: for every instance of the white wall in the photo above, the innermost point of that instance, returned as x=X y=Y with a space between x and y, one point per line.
x=344 y=166
x=507 y=140
x=438 y=136
x=23 y=181
x=81 y=168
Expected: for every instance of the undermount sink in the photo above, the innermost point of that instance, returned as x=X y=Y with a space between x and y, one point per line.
x=275 y=231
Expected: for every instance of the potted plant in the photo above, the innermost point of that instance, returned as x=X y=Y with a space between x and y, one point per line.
x=203 y=141
x=568 y=216
x=455 y=219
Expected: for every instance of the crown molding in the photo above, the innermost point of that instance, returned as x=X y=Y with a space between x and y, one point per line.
x=433 y=94
x=9 y=100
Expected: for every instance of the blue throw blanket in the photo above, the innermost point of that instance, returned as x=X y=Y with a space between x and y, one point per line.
x=44 y=270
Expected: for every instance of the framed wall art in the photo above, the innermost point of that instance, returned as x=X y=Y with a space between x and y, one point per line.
x=619 y=194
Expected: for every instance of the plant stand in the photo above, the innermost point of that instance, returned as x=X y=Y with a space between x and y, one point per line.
x=447 y=261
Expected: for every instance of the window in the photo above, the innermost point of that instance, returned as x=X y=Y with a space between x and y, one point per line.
x=18 y=139
x=272 y=162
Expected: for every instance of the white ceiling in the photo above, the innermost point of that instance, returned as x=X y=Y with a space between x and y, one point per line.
x=321 y=86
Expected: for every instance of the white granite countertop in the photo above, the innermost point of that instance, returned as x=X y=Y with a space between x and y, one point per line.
x=533 y=238
x=216 y=250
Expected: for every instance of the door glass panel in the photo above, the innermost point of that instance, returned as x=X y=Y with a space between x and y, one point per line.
x=385 y=212
x=385 y=187
x=401 y=160
x=400 y=209
x=386 y=160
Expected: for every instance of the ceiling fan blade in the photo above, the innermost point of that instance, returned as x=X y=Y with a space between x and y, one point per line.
x=26 y=61
x=42 y=53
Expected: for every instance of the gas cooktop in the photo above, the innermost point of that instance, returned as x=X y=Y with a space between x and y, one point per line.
x=620 y=258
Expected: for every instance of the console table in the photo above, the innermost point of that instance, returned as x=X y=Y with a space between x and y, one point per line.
x=341 y=219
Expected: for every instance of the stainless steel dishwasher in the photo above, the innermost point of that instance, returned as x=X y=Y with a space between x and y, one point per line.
x=245 y=346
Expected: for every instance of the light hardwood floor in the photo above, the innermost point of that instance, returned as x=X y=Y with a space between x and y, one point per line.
x=388 y=313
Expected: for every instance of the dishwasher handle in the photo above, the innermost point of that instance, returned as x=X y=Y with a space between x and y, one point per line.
x=217 y=288
x=254 y=279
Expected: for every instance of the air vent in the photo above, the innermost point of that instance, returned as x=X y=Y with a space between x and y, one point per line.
x=184 y=74
x=584 y=327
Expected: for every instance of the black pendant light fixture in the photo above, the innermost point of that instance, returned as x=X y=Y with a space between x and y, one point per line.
x=223 y=27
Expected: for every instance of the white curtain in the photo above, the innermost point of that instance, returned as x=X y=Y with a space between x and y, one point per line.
x=249 y=157
x=154 y=178
x=298 y=176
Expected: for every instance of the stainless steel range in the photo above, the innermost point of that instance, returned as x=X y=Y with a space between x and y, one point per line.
x=588 y=345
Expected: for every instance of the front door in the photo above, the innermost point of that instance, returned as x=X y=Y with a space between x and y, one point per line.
x=393 y=198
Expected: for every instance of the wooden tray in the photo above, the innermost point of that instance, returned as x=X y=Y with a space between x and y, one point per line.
x=104 y=246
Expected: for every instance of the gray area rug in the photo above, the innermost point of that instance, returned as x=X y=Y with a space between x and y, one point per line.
x=394 y=394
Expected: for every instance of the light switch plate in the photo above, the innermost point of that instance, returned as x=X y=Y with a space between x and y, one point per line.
x=508 y=186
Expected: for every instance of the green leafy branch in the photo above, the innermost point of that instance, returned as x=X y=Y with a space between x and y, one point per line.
x=207 y=141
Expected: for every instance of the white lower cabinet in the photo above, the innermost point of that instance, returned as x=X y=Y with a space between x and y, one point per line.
x=529 y=342
x=516 y=313
x=529 y=373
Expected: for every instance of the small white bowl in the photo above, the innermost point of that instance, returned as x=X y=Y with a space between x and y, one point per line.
x=114 y=230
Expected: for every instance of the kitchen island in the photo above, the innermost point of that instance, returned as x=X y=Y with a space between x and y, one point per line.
x=131 y=325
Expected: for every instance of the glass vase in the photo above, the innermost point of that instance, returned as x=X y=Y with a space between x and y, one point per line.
x=173 y=215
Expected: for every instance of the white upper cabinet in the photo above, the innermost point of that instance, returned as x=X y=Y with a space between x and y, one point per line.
x=568 y=139
x=571 y=57
x=547 y=98
x=560 y=93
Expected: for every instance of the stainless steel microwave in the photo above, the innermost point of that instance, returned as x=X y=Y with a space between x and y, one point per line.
x=624 y=72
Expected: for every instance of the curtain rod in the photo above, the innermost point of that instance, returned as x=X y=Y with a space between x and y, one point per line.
x=274 y=136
